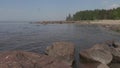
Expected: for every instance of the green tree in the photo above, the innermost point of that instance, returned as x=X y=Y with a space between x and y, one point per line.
x=96 y=14
x=69 y=18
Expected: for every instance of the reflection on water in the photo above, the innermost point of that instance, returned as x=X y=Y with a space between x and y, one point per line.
x=36 y=37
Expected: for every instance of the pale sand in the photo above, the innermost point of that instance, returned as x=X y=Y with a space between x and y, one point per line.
x=105 y=22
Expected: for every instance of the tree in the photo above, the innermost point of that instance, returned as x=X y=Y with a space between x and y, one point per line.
x=69 y=18
x=96 y=14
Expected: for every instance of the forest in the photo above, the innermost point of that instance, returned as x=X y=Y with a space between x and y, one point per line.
x=97 y=14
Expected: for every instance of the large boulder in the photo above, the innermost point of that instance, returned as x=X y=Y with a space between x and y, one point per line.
x=20 y=59
x=63 y=51
x=98 y=53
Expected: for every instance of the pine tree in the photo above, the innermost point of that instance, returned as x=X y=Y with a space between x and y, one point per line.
x=69 y=18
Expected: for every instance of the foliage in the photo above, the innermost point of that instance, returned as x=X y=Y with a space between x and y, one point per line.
x=69 y=18
x=96 y=14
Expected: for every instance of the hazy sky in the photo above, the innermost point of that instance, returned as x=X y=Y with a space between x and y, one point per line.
x=34 y=10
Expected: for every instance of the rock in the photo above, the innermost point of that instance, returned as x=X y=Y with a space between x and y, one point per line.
x=115 y=51
x=114 y=65
x=103 y=66
x=116 y=54
x=102 y=47
x=21 y=59
x=113 y=44
x=63 y=51
x=88 y=65
x=117 y=44
x=98 y=53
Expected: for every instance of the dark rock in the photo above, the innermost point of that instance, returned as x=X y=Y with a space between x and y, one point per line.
x=63 y=51
x=20 y=59
x=114 y=65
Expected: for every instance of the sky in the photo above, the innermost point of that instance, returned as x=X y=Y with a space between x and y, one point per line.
x=41 y=10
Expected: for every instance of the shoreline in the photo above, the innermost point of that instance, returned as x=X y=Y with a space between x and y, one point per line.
x=99 y=22
x=112 y=25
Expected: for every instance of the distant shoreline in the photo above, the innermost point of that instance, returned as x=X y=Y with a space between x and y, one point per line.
x=100 y=22
x=59 y=22
x=113 y=25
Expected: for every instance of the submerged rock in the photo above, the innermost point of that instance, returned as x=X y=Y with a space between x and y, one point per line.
x=98 y=53
x=63 y=51
x=21 y=59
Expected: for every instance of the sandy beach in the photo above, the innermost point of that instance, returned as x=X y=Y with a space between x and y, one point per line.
x=105 y=22
x=100 y=22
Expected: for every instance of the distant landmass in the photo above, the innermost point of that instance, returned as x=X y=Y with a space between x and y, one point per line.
x=97 y=14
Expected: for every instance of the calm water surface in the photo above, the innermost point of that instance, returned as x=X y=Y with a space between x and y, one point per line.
x=36 y=37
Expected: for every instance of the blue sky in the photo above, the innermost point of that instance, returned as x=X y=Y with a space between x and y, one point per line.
x=39 y=10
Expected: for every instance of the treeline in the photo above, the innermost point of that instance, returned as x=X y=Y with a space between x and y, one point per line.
x=97 y=14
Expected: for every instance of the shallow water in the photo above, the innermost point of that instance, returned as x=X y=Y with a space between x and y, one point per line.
x=36 y=37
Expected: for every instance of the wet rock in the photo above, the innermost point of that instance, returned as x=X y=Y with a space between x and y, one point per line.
x=63 y=51
x=103 y=66
x=98 y=53
x=20 y=59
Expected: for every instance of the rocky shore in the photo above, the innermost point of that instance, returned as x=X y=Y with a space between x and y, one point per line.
x=115 y=28
x=113 y=25
x=61 y=55
x=103 y=54
x=62 y=22
x=98 y=22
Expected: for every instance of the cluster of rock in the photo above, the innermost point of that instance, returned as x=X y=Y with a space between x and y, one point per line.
x=60 y=55
x=104 y=54
x=55 y=22
x=63 y=22
x=112 y=27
